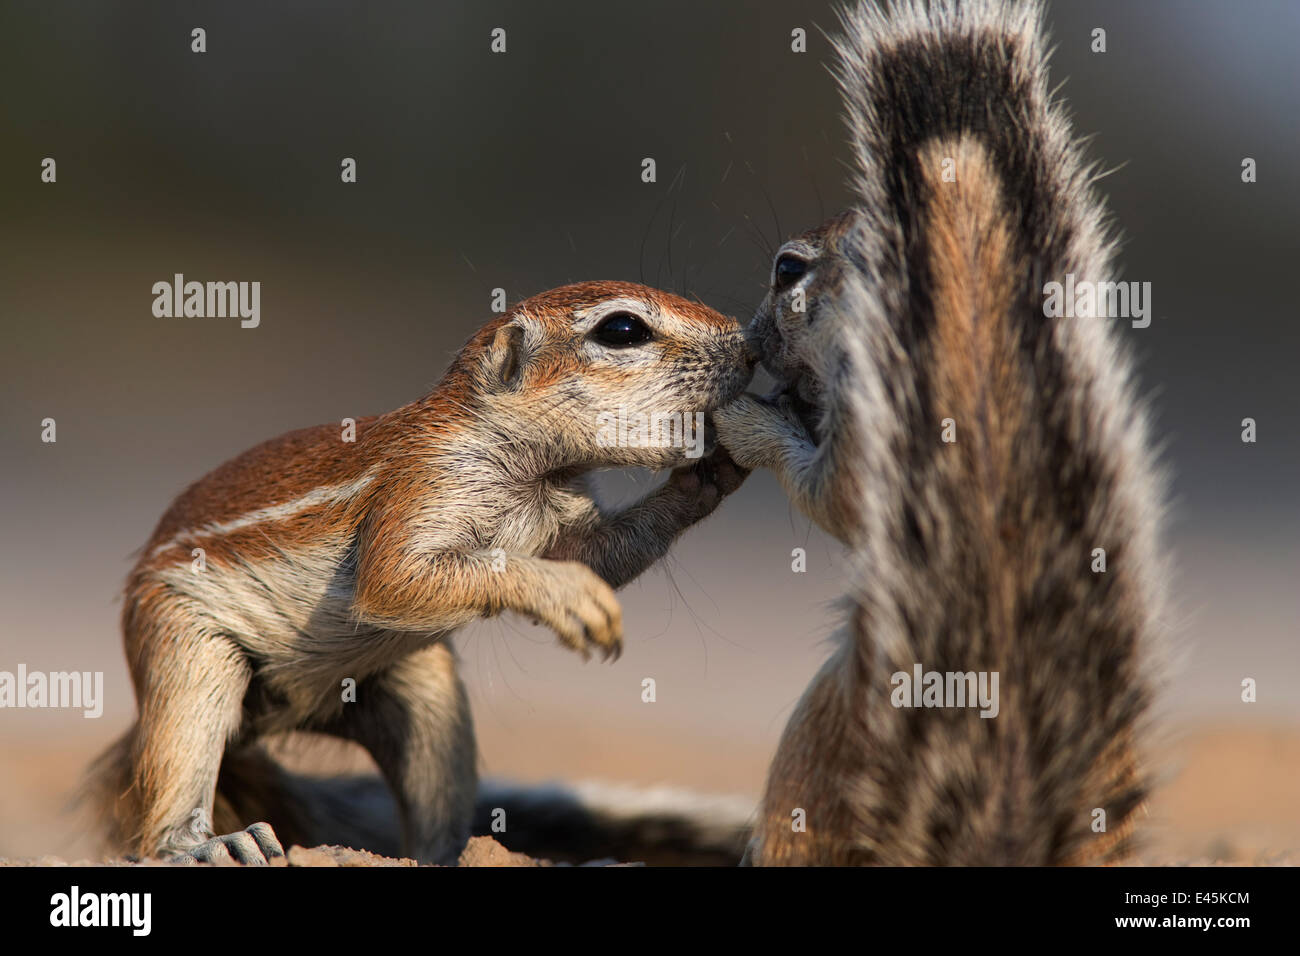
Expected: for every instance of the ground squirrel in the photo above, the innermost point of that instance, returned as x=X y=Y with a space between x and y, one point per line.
x=323 y=560
x=976 y=456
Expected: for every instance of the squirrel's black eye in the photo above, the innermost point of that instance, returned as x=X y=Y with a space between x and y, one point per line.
x=621 y=330
x=789 y=270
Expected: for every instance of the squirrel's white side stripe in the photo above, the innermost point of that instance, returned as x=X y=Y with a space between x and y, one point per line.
x=326 y=494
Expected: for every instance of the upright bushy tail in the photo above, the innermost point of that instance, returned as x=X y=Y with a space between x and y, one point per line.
x=1008 y=540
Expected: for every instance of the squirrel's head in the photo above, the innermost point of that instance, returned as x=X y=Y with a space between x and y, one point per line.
x=787 y=330
x=609 y=374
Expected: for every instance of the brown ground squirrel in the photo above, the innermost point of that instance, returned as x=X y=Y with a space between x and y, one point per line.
x=973 y=454
x=323 y=560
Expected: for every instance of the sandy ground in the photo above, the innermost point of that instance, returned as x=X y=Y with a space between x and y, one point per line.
x=1231 y=793
x=480 y=851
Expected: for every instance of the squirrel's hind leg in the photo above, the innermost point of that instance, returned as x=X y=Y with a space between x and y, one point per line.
x=414 y=719
x=188 y=713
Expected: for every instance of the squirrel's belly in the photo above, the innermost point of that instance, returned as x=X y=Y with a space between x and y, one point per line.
x=269 y=601
x=294 y=618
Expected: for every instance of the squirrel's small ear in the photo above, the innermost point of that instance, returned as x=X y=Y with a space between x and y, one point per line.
x=503 y=364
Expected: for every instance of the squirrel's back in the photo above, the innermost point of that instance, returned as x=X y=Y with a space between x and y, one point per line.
x=1006 y=552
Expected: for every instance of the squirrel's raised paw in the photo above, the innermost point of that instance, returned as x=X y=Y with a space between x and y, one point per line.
x=255 y=846
x=584 y=613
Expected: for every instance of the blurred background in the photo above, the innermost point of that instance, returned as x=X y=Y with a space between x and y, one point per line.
x=522 y=171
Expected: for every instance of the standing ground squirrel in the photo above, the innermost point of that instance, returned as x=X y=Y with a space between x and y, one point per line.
x=975 y=455
x=323 y=560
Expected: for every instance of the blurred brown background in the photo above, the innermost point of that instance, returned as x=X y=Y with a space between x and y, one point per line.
x=522 y=171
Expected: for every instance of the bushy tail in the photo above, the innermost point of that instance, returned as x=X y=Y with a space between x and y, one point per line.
x=105 y=796
x=567 y=823
x=1011 y=506
x=582 y=822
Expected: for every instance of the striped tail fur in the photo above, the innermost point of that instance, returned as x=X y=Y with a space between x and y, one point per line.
x=1001 y=451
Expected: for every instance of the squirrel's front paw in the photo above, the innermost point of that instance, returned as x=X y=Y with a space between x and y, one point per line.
x=583 y=612
x=704 y=484
x=755 y=431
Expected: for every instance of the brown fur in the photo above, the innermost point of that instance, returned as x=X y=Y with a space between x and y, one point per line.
x=326 y=561
x=925 y=303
